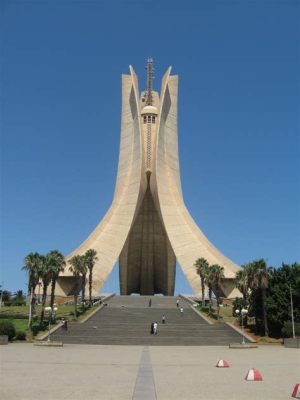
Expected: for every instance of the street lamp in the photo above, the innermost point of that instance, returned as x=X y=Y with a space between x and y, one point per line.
x=243 y=312
x=51 y=312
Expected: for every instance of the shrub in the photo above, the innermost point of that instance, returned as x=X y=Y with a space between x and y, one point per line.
x=237 y=304
x=21 y=335
x=204 y=309
x=18 y=302
x=7 y=328
x=15 y=302
x=287 y=330
x=36 y=328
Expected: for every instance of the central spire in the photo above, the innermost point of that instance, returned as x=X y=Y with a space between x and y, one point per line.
x=150 y=77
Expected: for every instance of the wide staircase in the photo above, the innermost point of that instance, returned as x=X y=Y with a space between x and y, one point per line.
x=126 y=320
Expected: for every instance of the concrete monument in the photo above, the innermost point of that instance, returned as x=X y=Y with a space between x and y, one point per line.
x=148 y=227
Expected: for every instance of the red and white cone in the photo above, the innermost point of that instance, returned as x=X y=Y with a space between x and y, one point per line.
x=253 y=375
x=222 y=364
x=296 y=391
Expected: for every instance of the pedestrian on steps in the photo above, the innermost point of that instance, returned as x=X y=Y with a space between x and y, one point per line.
x=150 y=302
x=177 y=303
x=163 y=319
x=181 y=310
x=152 y=328
x=155 y=326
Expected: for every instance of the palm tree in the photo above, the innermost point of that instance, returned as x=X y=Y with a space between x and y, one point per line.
x=33 y=267
x=56 y=263
x=242 y=281
x=202 y=265
x=19 y=294
x=216 y=274
x=83 y=280
x=91 y=258
x=208 y=282
x=46 y=275
x=77 y=265
x=260 y=279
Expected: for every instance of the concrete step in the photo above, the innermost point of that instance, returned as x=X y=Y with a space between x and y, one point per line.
x=126 y=320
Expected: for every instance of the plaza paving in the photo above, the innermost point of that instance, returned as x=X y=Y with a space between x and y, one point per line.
x=89 y=372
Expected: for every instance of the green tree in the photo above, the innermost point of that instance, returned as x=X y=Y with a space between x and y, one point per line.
x=6 y=296
x=46 y=275
x=208 y=282
x=77 y=265
x=19 y=295
x=56 y=263
x=32 y=266
x=202 y=266
x=18 y=298
x=259 y=279
x=215 y=276
x=281 y=281
x=242 y=282
x=91 y=258
x=84 y=270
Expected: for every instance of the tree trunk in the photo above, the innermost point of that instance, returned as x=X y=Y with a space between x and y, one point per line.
x=76 y=295
x=210 y=299
x=83 y=290
x=90 y=286
x=30 y=311
x=264 y=309
x=203 y=292
x=44 y=297
x=53 y=283
x=75 y=304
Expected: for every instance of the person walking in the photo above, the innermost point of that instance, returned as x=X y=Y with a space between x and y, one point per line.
x=177 y=303
x=181 y=310
x=155 y=326
x=150 y=302
x=163 y=319
x=152 y=328
x=65 y=324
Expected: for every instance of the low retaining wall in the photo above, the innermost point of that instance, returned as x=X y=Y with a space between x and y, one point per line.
x=3 y=339
x=292 y=343
x=239 y=330
x=98 y=309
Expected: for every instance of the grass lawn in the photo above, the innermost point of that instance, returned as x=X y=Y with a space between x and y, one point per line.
x=18 y=315
x=19 y=324
x=63 y=311
x=14 y=312
x=225 y=314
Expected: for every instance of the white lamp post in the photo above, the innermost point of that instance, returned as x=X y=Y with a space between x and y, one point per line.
x=243 y=312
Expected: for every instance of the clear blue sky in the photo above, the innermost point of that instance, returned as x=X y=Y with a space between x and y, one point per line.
x=238 y=64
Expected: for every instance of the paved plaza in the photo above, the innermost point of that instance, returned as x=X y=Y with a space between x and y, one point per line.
x=89 y=372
